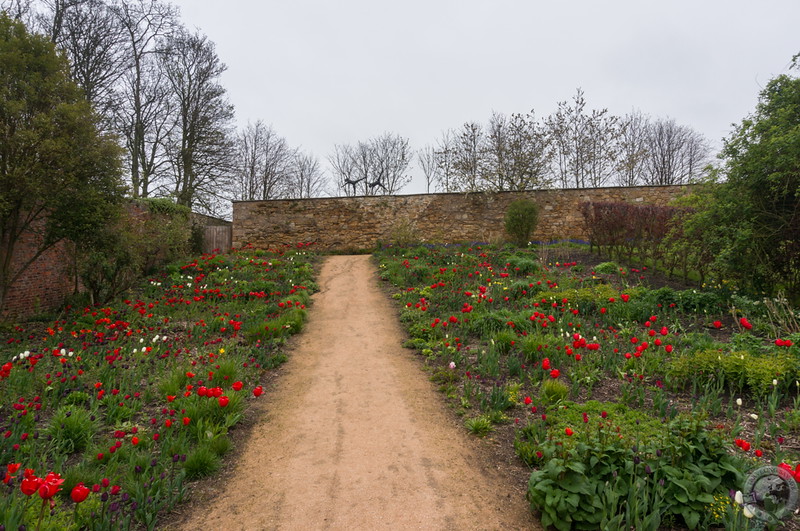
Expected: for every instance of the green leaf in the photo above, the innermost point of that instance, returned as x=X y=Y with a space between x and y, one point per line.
x=692 y=518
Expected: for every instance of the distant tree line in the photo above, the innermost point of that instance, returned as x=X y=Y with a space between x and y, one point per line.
x=157 y=87
x=574 y=147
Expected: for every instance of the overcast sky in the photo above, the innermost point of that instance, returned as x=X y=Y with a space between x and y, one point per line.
x=334 y=72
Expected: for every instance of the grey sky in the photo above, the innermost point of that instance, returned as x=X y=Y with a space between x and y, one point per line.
x=333 y=72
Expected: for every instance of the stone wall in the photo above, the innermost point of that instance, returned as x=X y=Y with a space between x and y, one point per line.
x=349 y=223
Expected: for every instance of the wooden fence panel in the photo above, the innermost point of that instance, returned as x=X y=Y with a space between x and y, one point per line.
x=217 y=237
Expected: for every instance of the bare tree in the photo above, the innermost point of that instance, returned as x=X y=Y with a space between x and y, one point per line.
x=429 y=164
x=584 y=142
x=263 y=165
x=632 y=149
x=18 y=10
x=391 y=157
x=469 y=158
x=676 y=153
x=51 y=21
x=93 y=38
x=200 y=141
x=307 y=179
x=376 y=166
x=445 y=154
x=343 y=165
x=142 y=113
x=518 y=153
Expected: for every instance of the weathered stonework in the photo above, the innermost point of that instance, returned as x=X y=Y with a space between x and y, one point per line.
x=344 y=223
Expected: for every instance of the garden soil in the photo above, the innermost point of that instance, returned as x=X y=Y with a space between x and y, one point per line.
x=353 y=435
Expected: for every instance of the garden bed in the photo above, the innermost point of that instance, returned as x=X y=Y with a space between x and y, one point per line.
x=563 y=356
x=108 y=412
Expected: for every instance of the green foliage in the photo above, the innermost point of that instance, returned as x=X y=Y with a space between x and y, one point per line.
x=134 y=244
x=201 y=462
x=522 y=265
x=607 y=268
x=288 y=323
x=480 y=425
x=602 y=482
x=738 y=369
x=72 y=429
x=520 y=221
x=748 y=224
x=503 y=340
x=59 y=176
x=553 y=391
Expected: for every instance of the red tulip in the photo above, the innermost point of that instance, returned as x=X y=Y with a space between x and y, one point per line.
x=717 y=324
x=569 y=432
x=30 y=484
x=186 y=421
x=237 y=386
x=257 y=391
x=223 y=401
x=555 y=373
x=79 y=493
x=11 y=469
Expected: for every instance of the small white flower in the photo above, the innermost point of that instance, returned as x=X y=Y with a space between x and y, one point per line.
x=135 y=350
x=739 y=498
x=452 y=365
x=738 y=401
x=747 y=512
x=775 y=382
x=63 y=352
x=753 y=416
x=141 y=340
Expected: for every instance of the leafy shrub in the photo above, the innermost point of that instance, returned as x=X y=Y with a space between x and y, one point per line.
x=607 y=268
x=605 y=483
x=737 y=369
x=522 y=265
x=627 y=229
x=150 y=233
x=480 y=425
x=553 y=391
x=201 y=462
x=72 y=429
x=520 y=221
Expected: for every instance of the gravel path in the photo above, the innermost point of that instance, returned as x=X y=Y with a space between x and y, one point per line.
x=355 y=436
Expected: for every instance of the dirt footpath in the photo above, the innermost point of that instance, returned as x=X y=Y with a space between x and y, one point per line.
x=355 y=436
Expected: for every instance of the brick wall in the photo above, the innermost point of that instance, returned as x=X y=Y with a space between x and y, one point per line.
x=45 y=284
x=361 y=222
